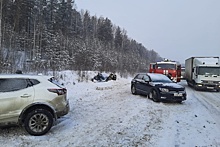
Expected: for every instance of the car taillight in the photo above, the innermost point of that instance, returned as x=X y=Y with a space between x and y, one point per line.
x=59 y=91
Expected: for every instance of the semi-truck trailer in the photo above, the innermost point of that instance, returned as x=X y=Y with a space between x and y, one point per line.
x=203 y=73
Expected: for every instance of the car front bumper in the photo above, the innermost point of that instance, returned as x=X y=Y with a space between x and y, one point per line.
x=207 y=87
x=176 y=97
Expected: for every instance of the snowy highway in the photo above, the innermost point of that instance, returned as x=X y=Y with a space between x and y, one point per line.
x=107 y=114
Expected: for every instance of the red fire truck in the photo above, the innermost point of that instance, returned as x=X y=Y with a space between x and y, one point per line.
x=170 y=68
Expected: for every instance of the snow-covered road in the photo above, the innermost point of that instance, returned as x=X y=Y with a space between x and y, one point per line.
x=107 y=114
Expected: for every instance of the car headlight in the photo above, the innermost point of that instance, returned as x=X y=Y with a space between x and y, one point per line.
x=164 y=89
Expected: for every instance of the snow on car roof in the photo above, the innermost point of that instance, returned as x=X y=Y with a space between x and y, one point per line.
x=24 y=76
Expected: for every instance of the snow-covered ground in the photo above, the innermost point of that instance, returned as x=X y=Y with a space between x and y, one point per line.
x=107 y=114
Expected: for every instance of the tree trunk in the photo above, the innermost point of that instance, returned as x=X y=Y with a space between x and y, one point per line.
x=1 y=58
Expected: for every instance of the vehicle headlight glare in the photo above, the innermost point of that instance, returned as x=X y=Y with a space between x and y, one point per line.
x=164 y=89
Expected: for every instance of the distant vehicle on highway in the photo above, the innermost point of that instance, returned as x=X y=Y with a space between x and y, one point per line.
x=203 y=73
x=157 y=87
x=167 y=67
x=182 y=72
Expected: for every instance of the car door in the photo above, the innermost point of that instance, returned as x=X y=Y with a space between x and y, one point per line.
x=144 y=84
x=15 y=94
x=137 y=82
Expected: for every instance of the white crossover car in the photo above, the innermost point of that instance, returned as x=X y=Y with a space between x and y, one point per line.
x=31 y=101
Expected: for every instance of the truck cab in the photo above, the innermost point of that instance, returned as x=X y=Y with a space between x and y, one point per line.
x=207 y=77
x=203 y=73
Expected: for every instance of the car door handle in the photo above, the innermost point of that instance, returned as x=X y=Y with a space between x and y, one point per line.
x=25 y=96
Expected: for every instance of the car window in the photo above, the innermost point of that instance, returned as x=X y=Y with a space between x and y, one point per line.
x=14 y=84
x=166 y=66
x=34 y=81
x=140 y=76
x=146 y=78
x=54 y=81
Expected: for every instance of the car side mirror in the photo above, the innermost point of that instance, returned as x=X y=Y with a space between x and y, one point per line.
x=147 y=81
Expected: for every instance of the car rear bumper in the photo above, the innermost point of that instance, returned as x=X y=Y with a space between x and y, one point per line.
x=64 y=111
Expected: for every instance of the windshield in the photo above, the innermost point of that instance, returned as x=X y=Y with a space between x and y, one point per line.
x=160 y=78
x=166 y=66
x=209 y=71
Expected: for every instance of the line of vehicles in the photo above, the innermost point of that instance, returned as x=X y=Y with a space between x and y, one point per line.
x=160 y=84
x=201 y=73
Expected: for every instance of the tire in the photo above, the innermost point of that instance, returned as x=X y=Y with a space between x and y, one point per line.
x=154 y=96
x=194 y=86
x=180 y=102
x=38 y=122
x=133 y=90
x=189 y=84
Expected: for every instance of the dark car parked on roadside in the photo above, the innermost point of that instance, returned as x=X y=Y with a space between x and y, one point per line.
x=157 y=87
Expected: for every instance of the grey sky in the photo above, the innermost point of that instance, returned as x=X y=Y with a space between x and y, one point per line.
x=176 y=29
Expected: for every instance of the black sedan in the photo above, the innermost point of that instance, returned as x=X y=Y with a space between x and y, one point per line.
x=157 y=87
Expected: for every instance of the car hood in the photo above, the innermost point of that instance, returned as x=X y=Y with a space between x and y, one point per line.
x=168 y=85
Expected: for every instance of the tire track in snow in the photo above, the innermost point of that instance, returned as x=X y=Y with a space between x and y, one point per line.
x=188 y=120
x=211 y=103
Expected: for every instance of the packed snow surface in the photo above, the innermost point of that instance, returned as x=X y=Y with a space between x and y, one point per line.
x=107 y=114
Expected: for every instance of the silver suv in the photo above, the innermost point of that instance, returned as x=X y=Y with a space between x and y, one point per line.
x=31 y=101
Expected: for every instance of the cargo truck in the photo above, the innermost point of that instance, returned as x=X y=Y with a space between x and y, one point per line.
x=203 y=73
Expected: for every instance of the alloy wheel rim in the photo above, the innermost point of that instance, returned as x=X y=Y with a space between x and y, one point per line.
x=38 y=122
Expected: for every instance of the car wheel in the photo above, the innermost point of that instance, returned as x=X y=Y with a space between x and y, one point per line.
x=38 y=122
x=153 y=95
x=133 y=90
x=180 y=102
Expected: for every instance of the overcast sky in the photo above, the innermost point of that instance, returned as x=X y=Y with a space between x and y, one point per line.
x=175 y=29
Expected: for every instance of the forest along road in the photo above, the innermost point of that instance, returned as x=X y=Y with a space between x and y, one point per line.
x=107 y=114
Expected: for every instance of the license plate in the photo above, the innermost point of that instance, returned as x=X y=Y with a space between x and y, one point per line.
x=178 y=94
x=210 y=87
